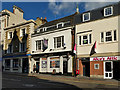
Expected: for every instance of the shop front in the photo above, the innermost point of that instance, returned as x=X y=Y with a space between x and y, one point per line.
x=105 y=67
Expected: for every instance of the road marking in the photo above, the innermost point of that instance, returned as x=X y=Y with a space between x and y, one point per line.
x=11 y=79
x=50 y=83
x=28 y=85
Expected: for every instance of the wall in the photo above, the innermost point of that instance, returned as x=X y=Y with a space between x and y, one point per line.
x=97 y=27
x=50 y=37
x=96 y=72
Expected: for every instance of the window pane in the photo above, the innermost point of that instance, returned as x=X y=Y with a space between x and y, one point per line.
x=90 y=39
x=108 y=66
x=109 y=38
x=79 y=40
x=102 y=37
x=108 y=11
x=86 y=16
x=115 y=38
x=108 y=33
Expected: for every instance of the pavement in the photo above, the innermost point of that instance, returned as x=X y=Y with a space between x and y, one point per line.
x=83 y=80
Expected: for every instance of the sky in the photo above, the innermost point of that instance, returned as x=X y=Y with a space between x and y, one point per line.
x=52 y=10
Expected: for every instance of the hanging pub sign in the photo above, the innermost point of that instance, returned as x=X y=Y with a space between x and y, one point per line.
x=113 y=58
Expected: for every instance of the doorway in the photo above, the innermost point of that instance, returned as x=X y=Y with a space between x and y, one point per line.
x=108 y=70
x=116 y=70
x=37 y=67
x=65 y=67
x=25 y=65
x=86 y=69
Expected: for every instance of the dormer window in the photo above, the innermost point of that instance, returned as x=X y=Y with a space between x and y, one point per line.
x=108 y=11
x=44 y=29
x=86 y=17
x=22 y=32
x=60 y=25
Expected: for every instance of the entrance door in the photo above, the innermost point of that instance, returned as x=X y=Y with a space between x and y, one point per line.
x=25 y=65
x=108 y=70
x=86 y=69
x=64 y=67
x=37 y=67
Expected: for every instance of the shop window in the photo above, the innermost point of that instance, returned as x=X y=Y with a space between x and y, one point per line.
x=108 y=11
x=54 y=64
x=96 y=66
x=15 y=63
x=7 y=63
x=108 y=36
x=59 y=42
x=44 y=64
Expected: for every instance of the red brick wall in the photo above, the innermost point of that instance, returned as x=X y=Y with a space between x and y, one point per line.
x=80 y=67
x=96 y=71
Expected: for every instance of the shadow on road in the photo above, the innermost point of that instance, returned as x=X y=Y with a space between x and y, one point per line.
x=23 y=82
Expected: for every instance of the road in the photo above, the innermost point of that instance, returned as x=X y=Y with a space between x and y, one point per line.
x=19 y=81
x=16 y=81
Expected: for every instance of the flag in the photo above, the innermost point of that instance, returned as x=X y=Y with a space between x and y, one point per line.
x=93 y=50
x=45 y=44
x=74 y=49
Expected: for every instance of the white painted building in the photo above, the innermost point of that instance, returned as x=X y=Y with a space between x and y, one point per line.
x=57 y=55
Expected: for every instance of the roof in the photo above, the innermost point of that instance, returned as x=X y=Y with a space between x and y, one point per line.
x=55 y=22
x=4 y=13
x=97 y=14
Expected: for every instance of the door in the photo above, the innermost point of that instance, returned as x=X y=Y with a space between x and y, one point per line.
x=37 y=67
x=64 y=67
x=108 y=70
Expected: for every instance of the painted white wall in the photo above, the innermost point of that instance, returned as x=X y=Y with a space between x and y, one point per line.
x=50 y=37
x=97 y=27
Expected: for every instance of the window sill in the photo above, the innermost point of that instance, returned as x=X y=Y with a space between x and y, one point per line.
x=84 y=45
x=108 y=42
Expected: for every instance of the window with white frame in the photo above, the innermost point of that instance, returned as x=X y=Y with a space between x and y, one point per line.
x=108 y=36
x=60 y=25
x=86 y=17
x=102 y=36
x=54 y=63
x=59 y=42
x=10 y=49
x=108 y=11
x=15 y=63
x=22 y=47
x=85 y=39
x=115 y=35
x=10 y=35
x=96 y=66
x=22 y=32
x=39 y=44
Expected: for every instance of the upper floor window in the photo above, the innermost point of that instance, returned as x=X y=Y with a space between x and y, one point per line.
x=39 y=44
x=108 y=36
x=10 y=49
x=22 y=32
x=86 y=17
x=59 y=42
x=85 y=39
x=22 y=47
x=10 y=35
x=60 y=25
x=108 y=11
